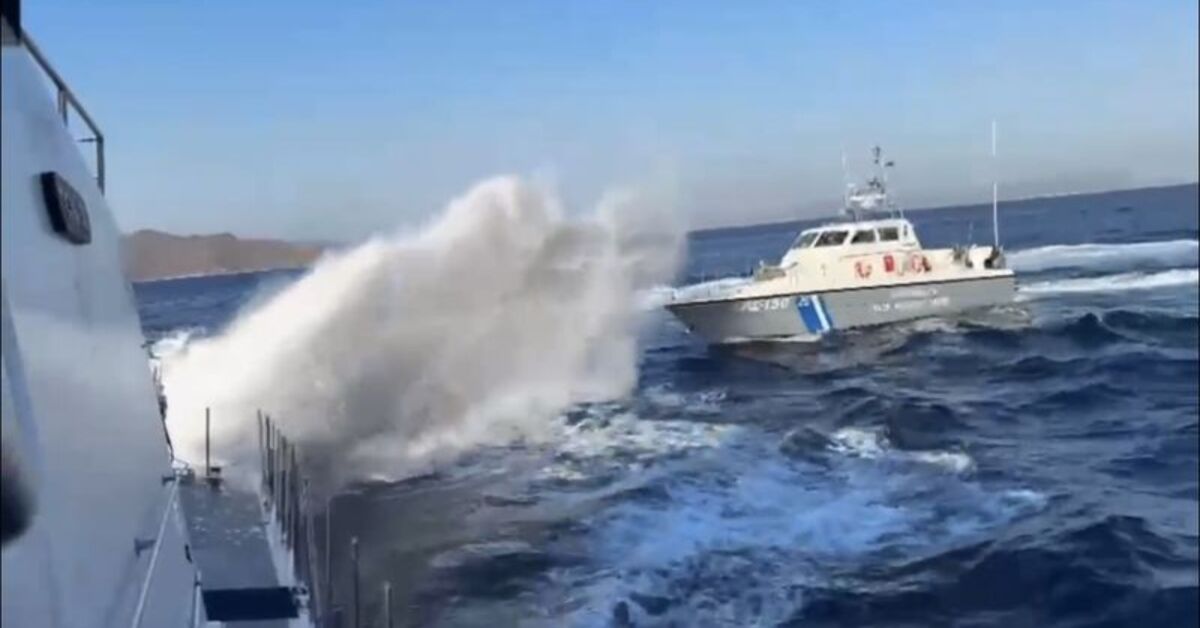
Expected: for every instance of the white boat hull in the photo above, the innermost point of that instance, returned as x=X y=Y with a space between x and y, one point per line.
x=744 y=318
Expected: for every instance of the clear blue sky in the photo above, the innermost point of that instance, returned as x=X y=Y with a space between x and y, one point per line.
x=331 y=120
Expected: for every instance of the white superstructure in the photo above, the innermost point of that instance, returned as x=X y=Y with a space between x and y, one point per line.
x=94 y=534
x=865 y=253
x=105 y=542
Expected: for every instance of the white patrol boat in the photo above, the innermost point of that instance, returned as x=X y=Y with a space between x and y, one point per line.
x=867 y=269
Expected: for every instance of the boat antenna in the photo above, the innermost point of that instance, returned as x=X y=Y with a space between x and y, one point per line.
x=995 y=192
x=879 y=170
x=845 y=181
x=884 y=165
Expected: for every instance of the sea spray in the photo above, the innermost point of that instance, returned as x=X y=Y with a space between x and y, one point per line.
x=393 y=355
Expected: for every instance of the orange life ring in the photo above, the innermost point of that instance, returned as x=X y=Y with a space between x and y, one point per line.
x=862 y=269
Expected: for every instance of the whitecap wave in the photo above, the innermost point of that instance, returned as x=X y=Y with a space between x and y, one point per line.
x=952 y=461
x=1105 y=256
x=703 y=402
x=623 y=440
x=1115 y=283
x=864 y=443
x=872 y=443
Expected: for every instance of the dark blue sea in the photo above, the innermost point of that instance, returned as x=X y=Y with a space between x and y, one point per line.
x=1035 y=466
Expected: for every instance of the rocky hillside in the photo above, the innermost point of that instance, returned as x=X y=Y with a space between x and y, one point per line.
x=157 y=255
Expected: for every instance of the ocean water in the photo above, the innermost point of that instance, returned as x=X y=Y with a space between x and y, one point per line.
x=1032 y=465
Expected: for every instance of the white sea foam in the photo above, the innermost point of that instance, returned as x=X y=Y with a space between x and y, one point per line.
x=1106 y=256
x=481 y=327
x=709 y=289
x=865 y=443
x=703 y=402
x=625 y=440
x=745 y=528
x=953 y=461
x=1116 y=282
x=655 y=297
x=729 y=530
x=873 y=444
x=173 y=342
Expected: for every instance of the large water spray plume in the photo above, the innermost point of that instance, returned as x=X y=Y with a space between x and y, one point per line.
x=482 y=327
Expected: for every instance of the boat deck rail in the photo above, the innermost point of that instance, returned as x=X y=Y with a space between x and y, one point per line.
x=66 y=102
x=305 y=533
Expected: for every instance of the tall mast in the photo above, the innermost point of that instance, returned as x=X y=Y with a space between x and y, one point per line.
x=879 y=171
x=995 y=192
x=882 y=165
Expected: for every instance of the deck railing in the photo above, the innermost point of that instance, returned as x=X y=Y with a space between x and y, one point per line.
x=296 y=518
x=287 y=498
x=66 y=101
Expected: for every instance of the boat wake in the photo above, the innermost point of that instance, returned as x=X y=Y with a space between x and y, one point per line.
x=1162 y=254
x=1140 y=266
x=406 y=349
x=1115 y=282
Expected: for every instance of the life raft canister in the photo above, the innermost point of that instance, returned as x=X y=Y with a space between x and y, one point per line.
x=862 y=269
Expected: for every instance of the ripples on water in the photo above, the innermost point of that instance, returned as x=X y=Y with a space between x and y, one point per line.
x=1030 y=465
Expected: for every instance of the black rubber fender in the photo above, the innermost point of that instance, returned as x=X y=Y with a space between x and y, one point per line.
x=16 y=500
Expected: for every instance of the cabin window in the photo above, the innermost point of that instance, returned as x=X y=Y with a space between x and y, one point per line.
x=888 y=234
x=805 y=240
x=832 y=238
x=863 y=237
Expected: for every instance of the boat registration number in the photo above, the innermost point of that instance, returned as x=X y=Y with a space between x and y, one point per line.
x=764 y=305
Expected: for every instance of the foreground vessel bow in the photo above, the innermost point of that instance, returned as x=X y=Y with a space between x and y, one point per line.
x=93 y=525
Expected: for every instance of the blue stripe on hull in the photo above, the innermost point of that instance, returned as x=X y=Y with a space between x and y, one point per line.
x=810 y=314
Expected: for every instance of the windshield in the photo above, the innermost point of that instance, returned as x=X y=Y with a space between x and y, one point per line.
x=864 y=237
x=805 y=240
x=831 y=238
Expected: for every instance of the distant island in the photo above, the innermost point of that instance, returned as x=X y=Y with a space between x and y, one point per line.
x=153 y=254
